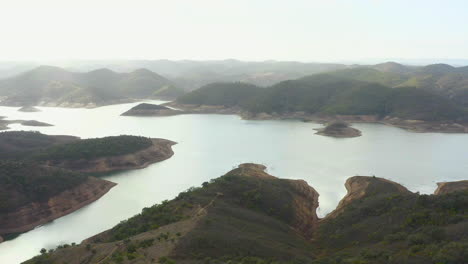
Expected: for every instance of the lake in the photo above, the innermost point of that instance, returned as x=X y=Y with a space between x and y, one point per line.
x=211 y=145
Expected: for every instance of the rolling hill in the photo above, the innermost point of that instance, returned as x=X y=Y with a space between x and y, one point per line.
x=227 y=94
x=47 y=85
x=442 y=79
x=330 y=94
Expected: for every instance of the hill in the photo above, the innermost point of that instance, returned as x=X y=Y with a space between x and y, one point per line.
x=225 y=94
x=377 y=74
x=47 y=85
x=442 y=79
x=331 y=95
x=249 y=216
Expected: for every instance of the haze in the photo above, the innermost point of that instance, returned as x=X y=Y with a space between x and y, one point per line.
x=303 y=30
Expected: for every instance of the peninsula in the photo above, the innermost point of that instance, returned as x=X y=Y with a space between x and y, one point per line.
x=44 y=177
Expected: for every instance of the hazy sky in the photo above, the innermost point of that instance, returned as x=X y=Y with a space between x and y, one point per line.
x=305 y=30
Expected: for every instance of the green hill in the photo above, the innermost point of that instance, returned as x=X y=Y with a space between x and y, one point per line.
x=384 y=76
x=22 y=183
x=248 y=216
x=44 y=177
x=333 y=93
x=328 y=94
x=442 y=79
x=52 y=85
x=227 y=94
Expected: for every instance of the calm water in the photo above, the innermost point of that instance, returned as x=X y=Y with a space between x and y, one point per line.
x=210 y=145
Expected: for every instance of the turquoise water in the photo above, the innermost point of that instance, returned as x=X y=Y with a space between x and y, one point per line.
x=210 y=145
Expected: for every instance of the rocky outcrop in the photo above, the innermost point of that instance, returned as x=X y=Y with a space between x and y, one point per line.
x=305 y=204
x=160 y=150
x=31 y=215
x=450 y=187
x=304 y=201
x=145 y=109
x=359 y=187
x=422 y=126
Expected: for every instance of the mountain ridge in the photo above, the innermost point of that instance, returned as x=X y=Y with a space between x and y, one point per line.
x=50 y=85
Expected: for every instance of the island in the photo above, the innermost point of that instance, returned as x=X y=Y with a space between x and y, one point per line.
x=339 y=129
x=44 y=177
x=29 y=109
x=250 y=216
x=34 y=123
x=4 y=124
x=145 y=109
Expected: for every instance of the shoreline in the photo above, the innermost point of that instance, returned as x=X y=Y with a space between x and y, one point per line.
x=89 y=105
x=159 y=151
x=418 y=126
x=29 y=217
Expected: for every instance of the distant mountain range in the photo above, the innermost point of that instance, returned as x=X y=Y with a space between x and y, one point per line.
x=124 y=80
x=443 y=79
x=47 y=85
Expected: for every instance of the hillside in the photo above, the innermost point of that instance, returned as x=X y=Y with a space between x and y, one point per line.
x=45 y=177
x=225 y=94
x=53 y=86
x=442 y=79
x=249 y=216
x=328 y=94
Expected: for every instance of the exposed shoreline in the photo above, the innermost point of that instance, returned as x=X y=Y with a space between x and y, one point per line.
x=419 y=126
x=88 y=105
x=38 y=213
x=4 y=124
x=159 y=151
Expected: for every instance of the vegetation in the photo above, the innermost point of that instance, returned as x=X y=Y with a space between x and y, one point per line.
x=103 y=86
x=24 y=182
x=145 y=106
x=19 y=144
x=34 y=146
x=393 y=228
x=331 y=94
x=226 y=94
x=24 y=175
x=248 y=220
x=336 y=126
x=94 y=148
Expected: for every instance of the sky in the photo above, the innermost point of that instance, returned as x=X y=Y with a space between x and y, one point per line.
x=255 y=30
